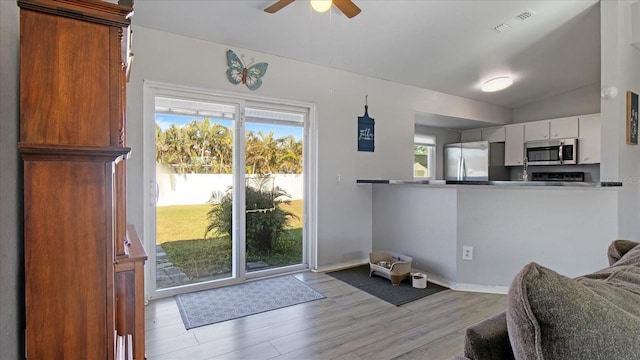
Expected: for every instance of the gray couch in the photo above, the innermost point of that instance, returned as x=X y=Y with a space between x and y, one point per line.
x=550 y=316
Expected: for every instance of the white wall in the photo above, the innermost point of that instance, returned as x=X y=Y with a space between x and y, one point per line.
x=580 y=101
x=420 y=222
x=565 y=229
x=344 y=209
x=620 y=68
x=196 y=189
x=11 y=253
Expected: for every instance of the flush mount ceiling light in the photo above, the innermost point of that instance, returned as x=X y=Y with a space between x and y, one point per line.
x=496 y=84
x=321 y=5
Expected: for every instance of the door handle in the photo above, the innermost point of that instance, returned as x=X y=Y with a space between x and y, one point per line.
x=560 y=153
x=154 y=192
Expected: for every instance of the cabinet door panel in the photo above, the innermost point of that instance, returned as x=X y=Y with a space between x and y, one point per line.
x=589 y=143
x=68 y=259
x=537 y=130
x=564 y=128
x=65 y=81
x=494 y=134
x=514 y=145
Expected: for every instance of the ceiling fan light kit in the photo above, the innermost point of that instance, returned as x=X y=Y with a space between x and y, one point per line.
x=497 y=84
x=321 y=5
x=347 y=7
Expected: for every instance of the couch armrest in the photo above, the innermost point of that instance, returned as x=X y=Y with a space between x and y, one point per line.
x=488 y=339
x=618 y=248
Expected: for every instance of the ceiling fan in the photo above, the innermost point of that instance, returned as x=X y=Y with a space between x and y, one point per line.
x=348 y=8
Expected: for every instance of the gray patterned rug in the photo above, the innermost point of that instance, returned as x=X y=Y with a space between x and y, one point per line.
x=236 y=301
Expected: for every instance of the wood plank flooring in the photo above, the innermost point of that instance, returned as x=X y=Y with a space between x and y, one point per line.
x=348 y=324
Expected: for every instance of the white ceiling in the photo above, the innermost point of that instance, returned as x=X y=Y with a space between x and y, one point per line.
x=448 y=46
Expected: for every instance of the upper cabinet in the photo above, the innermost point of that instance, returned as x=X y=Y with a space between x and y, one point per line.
x=494 y=134
x=585 y=127
x=563 y=128
x=471 y=135
x=589 y=145
x=537 y=130
x=514 y=145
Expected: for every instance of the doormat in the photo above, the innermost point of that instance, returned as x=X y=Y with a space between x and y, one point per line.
x=216 y=305
x=381 y=287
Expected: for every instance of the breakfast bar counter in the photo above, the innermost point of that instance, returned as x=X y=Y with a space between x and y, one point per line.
x=494 y=183
x=565 y=226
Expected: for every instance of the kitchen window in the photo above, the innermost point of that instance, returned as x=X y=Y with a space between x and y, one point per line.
x=424 y=151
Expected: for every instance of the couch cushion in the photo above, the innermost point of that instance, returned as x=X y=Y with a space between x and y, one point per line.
x=597 y=316
x=488 y=339
x=618 y=248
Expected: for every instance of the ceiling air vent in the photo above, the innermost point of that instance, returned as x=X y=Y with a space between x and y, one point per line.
x=502 y=27
x=525 y=15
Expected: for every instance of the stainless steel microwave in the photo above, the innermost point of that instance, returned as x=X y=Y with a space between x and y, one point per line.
x=551 y=152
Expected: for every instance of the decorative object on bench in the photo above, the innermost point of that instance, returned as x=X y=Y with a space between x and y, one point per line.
x=390 y=265
x=550 y=316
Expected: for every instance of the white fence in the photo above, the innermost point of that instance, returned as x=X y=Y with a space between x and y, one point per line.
x=196 y=189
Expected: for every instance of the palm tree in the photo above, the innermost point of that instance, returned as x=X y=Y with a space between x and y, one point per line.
x=261 y=152
x=289 y=155
x=222 y=148
x=203 y=145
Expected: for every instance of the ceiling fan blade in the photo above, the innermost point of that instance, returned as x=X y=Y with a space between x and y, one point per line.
x=347 y=7
x=278 y=5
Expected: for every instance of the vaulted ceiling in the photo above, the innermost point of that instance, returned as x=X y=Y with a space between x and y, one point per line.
x=448 y=46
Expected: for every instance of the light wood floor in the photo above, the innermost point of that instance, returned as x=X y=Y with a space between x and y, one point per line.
x=347 y=325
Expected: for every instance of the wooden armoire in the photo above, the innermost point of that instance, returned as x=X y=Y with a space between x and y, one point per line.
x=83 y=264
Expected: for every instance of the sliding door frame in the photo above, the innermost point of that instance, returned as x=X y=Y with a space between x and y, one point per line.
x=152 y=89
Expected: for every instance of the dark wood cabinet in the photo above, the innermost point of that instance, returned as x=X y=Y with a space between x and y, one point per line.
x=83 y=264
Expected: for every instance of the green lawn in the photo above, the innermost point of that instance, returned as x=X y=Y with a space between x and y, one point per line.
x=188 y=222
x=181 y=222
x=181 y=228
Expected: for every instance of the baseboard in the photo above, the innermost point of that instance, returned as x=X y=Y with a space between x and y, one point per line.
x=340 y=266
x=491 y=289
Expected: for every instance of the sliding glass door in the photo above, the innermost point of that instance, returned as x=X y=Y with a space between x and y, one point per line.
x=229 y=191
x=274 y=189
x=194 y=174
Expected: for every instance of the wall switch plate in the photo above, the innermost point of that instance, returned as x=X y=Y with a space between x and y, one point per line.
x=467 y=253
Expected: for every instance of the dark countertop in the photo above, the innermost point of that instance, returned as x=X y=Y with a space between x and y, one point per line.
x=495 y=183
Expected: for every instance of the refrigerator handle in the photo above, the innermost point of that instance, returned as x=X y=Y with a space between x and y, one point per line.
x=464 y=170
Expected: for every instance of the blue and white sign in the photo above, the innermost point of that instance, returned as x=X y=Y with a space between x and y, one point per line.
x=366 y=132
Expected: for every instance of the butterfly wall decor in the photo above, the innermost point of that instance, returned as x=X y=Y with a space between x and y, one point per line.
x=249 y=75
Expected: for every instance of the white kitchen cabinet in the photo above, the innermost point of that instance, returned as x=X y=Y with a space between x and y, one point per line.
x=514 y=145
x=494 y=134
x=471 y=135
x=536 y=130
x=564 y=128
x=589 y=145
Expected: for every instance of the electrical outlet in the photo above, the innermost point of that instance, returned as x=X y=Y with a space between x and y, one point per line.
x=467 y=253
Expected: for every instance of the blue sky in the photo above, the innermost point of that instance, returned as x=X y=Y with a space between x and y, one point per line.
x=165 y=121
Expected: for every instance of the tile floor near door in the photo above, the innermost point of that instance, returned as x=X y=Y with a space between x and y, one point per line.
x=348 y=324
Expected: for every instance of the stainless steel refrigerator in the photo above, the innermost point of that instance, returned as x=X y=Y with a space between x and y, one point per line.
x=475 y=161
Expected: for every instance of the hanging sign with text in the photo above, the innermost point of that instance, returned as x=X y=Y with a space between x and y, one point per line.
x=366 y=132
